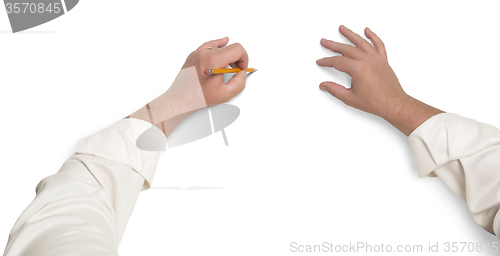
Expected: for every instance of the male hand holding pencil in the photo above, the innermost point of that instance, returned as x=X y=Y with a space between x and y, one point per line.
x=195 y=88
x=210 y=57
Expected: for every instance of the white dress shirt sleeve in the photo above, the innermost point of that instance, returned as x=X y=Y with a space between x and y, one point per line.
x=465 y=154
x=83 y=208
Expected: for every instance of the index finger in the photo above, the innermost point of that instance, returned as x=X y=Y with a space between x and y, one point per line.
x=234 y=53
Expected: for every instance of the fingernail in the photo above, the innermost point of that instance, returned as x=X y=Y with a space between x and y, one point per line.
x=322 y=87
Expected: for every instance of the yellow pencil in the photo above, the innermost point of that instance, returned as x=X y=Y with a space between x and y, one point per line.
x=227 y=70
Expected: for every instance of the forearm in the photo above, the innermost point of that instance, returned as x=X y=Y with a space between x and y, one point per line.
x=410 y=114
x=167 y=111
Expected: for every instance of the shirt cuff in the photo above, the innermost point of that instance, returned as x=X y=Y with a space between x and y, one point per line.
x=446 y=137
x=117 y=143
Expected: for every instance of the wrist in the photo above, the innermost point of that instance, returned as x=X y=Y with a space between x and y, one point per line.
x=411 y=114
x=184 y=95
x=397 y=109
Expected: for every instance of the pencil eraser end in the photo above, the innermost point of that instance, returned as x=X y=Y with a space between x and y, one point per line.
x=206 y=72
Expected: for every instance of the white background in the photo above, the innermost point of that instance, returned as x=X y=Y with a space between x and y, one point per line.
x=301 y=166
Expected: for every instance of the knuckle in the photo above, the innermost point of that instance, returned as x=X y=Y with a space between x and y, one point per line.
x=238 y=45
x=371 y=59
x=242 y=49
x=332 y=92
x=359 y=66
x=211 y=59
x=342 y=49
x=379 y=59
x=332 y=61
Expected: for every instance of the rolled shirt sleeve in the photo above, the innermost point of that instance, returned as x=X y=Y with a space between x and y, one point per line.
x=83 y=209
x=117 y=143
x=465 y=154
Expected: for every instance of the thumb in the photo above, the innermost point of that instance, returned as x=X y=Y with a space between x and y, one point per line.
x=336 y=90
x=236 y=84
